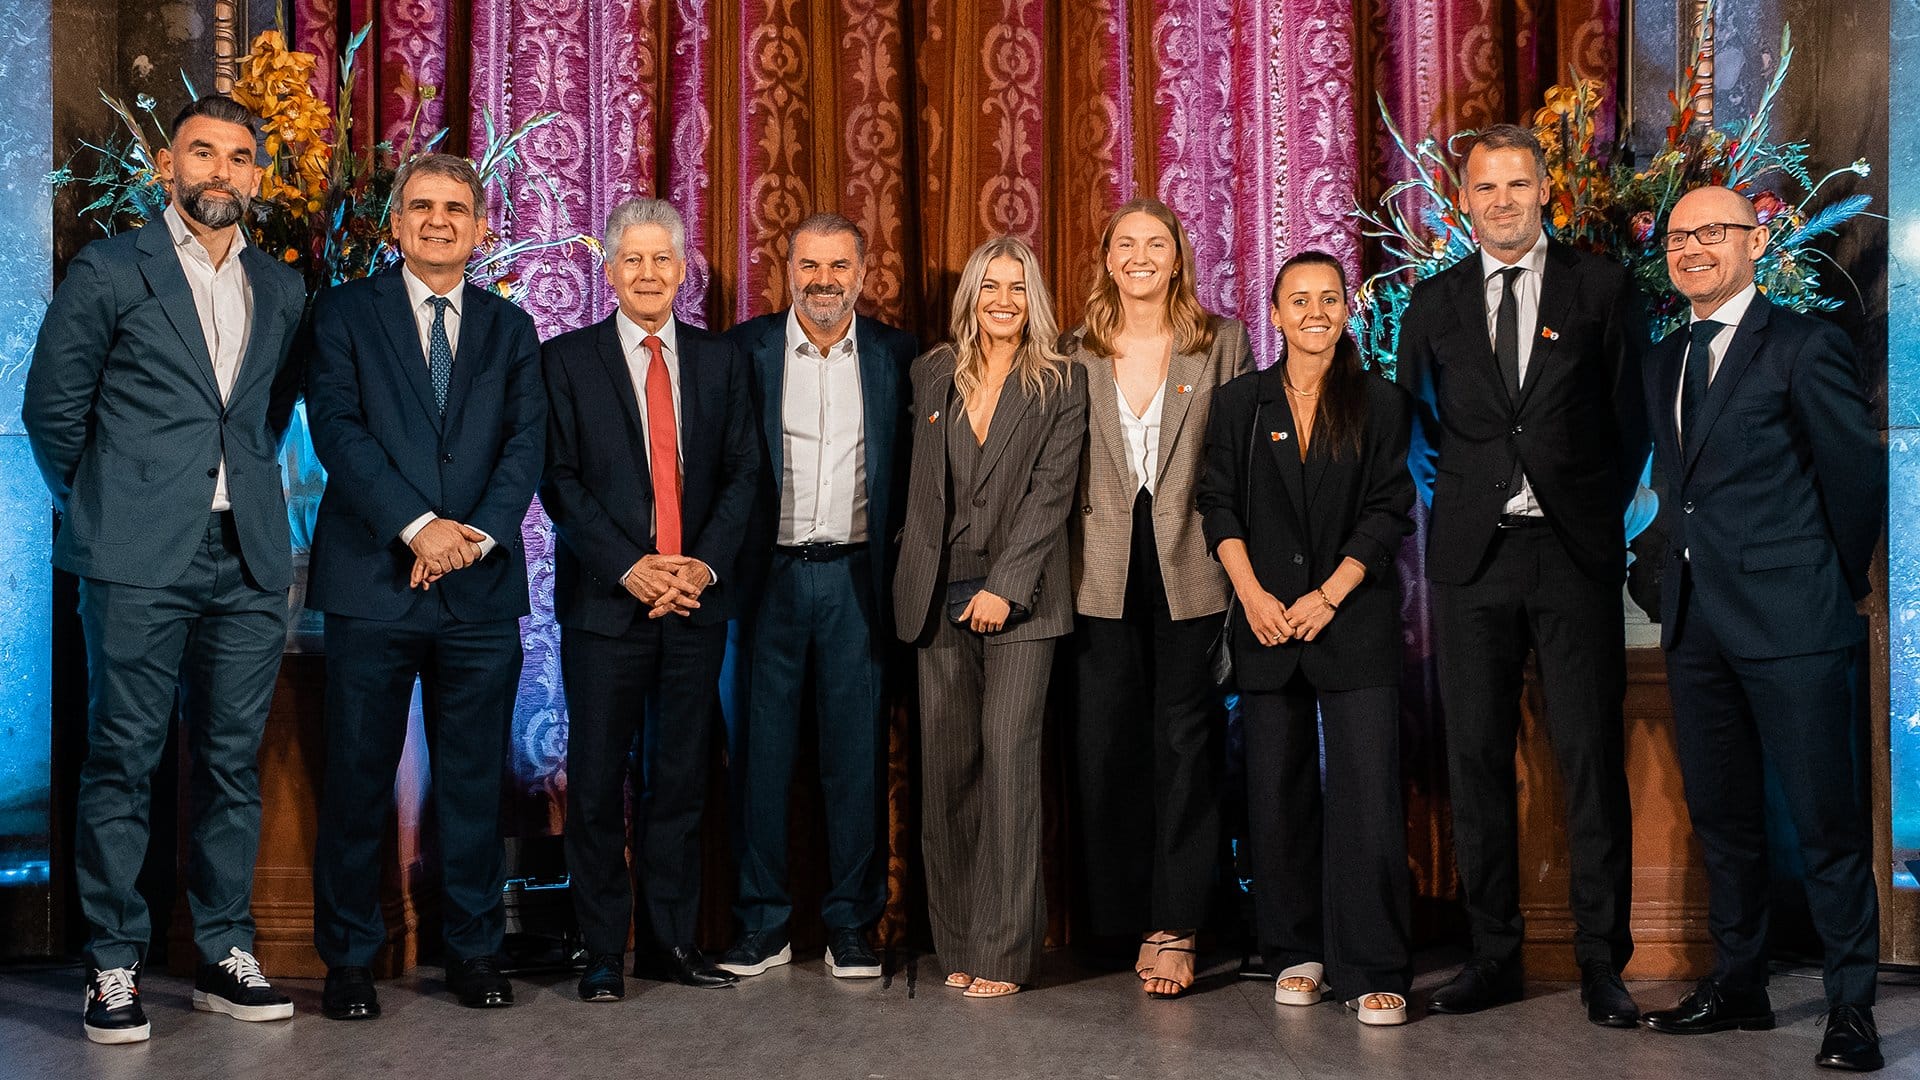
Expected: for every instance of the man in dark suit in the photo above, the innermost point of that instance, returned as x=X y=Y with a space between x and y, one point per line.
x=1775 y=493
x=159 y=393
x=1524 y=359
x=651 y=468
x=427 y=410
x=829 y=390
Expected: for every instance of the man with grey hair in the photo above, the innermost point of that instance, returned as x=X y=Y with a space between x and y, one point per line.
x=829 y=391
x=651 y=466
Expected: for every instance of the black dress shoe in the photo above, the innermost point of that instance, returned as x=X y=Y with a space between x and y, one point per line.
x=349 y=995
x=478 y=984
x=1713 y=1007
x=1852 y=1042
x=1480 y=985
x=685 y=965
x=602 y=980
x=1606 y=997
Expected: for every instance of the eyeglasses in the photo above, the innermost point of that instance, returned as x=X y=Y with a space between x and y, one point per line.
x=1706 y=234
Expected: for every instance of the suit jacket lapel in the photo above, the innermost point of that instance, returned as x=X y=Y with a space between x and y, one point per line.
x=1103 y=415
x=1556 y=299
x=879 y=406
x=620 y=385
x=1183 y=369
x=690 y=425
x=161 y=268
x=1669 y=356
x=1276 y=430
x=770 y=356
x=403 y=337
x=258 y=364
x=1470 y=304
x=470 y=351
x=1007 y=416
x=1740 y=352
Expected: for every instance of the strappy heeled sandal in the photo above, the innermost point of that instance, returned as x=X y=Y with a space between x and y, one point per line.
x=1172 y=945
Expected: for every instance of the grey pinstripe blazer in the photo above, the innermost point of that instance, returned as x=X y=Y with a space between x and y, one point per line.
x=1102 y=531
x=1024 y=490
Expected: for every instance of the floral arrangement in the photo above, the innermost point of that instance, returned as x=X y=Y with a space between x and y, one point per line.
x=322 y=208
x=1613 y=210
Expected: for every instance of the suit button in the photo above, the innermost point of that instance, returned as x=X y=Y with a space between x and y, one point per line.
x=1499 y=485
x=446 y=459
x=1518 y=429
x=213 y=472
x=1298 y=559
x=979 y=500
x=1088 y=510
x=1687 y=508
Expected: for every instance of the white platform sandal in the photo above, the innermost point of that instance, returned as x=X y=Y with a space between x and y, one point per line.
x=1380 y=1009
x=1301 y=984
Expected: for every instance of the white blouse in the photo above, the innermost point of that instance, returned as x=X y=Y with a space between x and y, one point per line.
x=1143 y=436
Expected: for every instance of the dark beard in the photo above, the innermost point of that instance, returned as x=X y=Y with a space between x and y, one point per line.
x=211 y=212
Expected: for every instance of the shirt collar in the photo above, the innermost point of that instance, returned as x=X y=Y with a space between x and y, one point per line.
x=797 y=336
x=1731 y=312
x=183 y=233
x=418 y=291
x=1535 y=260
x=633 y=335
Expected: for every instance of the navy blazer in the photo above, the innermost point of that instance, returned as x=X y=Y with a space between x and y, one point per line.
x=126 y=423
x=599 y=491
x=1578 y=425
x=1304 y=519
x=1773 y=506
x=391 y=457
x=886 y=356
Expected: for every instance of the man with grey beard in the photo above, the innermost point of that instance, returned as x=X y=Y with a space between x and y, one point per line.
x=159 y=393
x=829 y=394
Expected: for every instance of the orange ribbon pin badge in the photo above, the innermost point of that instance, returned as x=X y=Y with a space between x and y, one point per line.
x=1550 y=333
x=934 y=417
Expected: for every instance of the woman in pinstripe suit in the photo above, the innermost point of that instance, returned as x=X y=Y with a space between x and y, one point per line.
x=1147 y=742
x=1306 y=498
x=982 y=588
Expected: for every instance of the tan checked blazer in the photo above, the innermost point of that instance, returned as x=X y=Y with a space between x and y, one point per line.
x=1102 y=532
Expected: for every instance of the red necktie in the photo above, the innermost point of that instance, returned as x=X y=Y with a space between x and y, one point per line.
x=663 y=452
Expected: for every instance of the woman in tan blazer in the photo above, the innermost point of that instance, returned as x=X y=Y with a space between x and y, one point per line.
x=982 y=588
x=1148 y=594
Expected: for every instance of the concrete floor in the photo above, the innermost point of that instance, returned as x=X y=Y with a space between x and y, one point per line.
x=799 y=1022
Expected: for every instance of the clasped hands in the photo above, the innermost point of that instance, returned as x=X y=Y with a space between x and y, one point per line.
x=442 y=546
x=668 y=584
x=1273 y=623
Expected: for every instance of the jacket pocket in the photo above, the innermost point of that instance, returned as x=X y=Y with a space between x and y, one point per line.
x=1778 y=554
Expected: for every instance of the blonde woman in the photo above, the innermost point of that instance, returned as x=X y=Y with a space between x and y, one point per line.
x=982 y=587
x=1148 y=594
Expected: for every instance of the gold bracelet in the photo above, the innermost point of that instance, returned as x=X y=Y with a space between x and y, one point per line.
x=1325 y=599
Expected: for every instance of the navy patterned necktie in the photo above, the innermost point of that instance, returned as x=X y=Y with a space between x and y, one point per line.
x=1693 y=383
x=440 y=352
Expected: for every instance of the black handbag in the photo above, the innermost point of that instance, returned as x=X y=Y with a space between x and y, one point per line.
x=1220 y=653
x=961 y=593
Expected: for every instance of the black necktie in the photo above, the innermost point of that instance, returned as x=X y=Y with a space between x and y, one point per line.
x=1693 y=383
x=1506 y=332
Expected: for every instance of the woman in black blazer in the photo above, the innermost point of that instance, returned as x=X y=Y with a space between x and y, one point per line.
x=982 y=586
x=1305 y=501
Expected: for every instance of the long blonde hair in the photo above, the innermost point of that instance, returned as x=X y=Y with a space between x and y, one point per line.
x=1038 y=361
x=1192 y=326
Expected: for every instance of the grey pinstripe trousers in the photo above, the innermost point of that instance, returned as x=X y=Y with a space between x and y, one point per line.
x=981 y=710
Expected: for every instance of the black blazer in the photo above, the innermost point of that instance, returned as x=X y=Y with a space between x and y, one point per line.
x=1023 y=491
x=1302 y=521
x=1773 y=507
x=597 y=488
x=1579 y=427
x=885 y=354
x=390 y=456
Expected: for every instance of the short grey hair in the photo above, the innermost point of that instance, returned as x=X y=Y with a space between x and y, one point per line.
x=452 y=167
x=829 y=224
x=644 y=212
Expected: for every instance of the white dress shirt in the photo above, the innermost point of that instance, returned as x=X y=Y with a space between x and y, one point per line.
x=1526 y=295
x=823 y=489
x=1729 y=314
x=1143 y=437
x=419 y=293
x=223 y=298
x=633 y=346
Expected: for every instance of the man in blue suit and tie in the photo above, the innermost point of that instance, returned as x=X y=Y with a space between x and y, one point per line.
x=159 y=393
x=427 y=409
x=1775 y=496
x=829 y=393
x=651 y=466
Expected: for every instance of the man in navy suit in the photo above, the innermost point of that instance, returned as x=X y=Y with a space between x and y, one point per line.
x=651 y=467
x=159 y=393
x=427 y=410
x=829 y=391
x=1775 y=494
